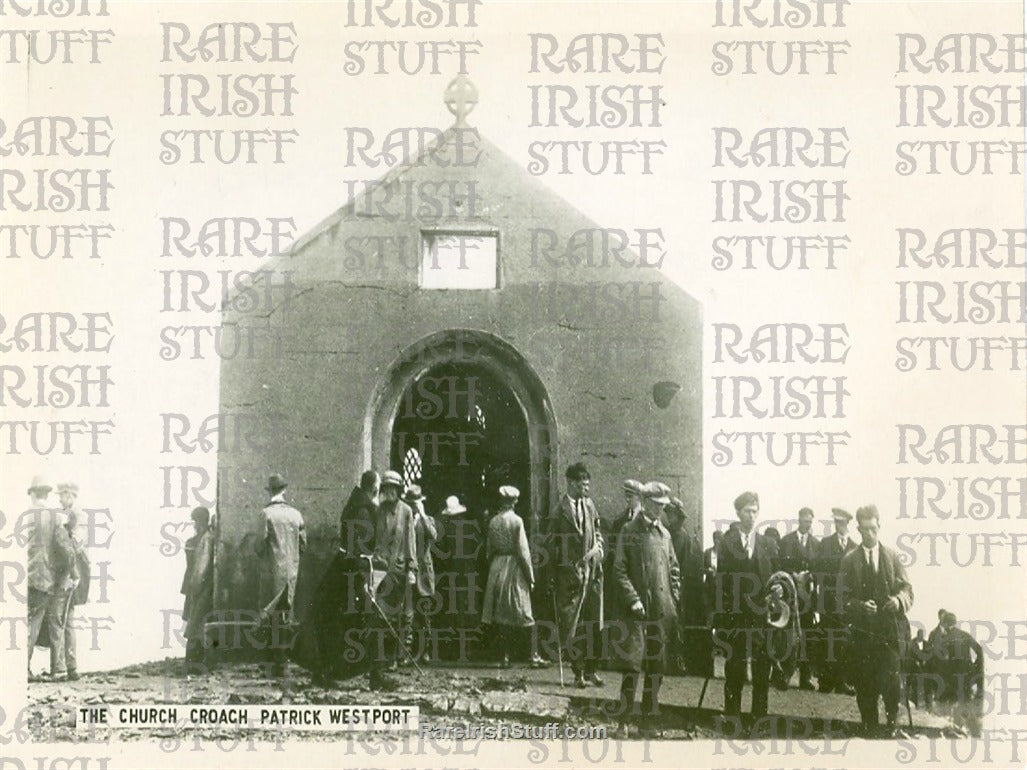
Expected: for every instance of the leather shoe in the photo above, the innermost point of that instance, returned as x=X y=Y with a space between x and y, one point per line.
x=594 y=679
x=806 y=684
x=579 y=682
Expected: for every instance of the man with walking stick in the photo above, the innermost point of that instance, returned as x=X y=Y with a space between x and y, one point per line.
x=575 y=549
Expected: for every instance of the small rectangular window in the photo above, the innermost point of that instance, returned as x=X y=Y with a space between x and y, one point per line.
x=459 y=260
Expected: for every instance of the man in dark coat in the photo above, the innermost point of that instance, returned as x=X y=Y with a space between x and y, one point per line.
x=877 y=595
x=831 y=605
x=646 y=573
x=575 y=549
x=745 y=563
x=798 y=557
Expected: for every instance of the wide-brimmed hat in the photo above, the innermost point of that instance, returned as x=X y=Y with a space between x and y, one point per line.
x=413 y=494
x=509 y=493
x=276 y=483
x=453 y=506
x=392 y=479
x=658 y=492
x=39 y=482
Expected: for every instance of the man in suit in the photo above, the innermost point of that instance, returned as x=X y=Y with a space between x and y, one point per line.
x=877 y=595
x=52 y=576
x=831 y=606
x=798 y=554
x=68 y=495
x=745 y=563
x=575 y=547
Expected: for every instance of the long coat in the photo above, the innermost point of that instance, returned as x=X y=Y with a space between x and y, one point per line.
x=283 y=542
x=856 y=586
x=613 y=608
x=566 y=546
x=50 y=550
x=646 y=569
x=508 y=591
x=198 y=583
x=425 y=534
x=395 y=552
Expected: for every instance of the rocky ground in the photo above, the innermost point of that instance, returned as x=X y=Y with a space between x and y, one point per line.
x=445 y=695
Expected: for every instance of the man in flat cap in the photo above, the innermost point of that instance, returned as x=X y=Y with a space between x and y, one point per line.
x=745 y=563
x=575 y=549
x=395 y=553
x=877 y=596
x=52 y=575
x=798 y=557
x=282 y=539
x=646 y=573
x=67 y=492
x=832 y=645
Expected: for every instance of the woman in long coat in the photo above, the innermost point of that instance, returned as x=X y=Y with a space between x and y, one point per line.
x=507 y=603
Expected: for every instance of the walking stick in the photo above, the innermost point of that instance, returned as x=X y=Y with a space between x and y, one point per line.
x=559 y=639
x=381 y=614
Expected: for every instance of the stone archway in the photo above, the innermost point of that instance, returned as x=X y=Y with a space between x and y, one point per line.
x=489 y=353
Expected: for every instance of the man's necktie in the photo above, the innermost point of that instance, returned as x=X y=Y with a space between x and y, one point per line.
x=745 y=544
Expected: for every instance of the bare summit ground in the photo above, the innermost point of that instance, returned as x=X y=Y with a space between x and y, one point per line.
x=446 y=696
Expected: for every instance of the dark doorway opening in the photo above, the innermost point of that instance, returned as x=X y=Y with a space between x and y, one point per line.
x=460 y=431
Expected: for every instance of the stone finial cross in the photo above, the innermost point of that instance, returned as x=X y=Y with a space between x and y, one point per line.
x=461 y=97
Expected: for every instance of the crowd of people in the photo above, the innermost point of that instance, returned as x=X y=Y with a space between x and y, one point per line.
x=577 y=592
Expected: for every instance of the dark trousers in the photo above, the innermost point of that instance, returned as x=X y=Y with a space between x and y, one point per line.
x=585 y=648
x=832 y=674
x=747 y=646
x=651 y=665
x=650 y=706
x=875 y=674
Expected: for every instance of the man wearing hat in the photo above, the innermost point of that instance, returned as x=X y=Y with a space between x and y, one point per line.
x=646 y=573
x=877 y=596
x=832 y=611
x=575 y=550
x=52 y=574
x=798 y=558
x=418 y=617
x=395 y=552
x=282 y=540
x=68 y=495
x=745 y=563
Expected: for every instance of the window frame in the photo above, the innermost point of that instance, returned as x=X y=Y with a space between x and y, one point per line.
x=426 y=234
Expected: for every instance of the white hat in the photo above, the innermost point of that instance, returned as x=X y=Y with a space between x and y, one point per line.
x=453 y=506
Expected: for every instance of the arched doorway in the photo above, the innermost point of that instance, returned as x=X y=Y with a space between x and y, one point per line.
x=461 y=412
x=424 y=402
